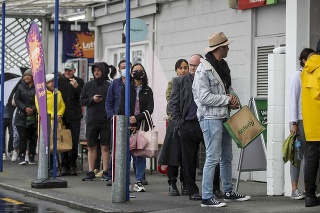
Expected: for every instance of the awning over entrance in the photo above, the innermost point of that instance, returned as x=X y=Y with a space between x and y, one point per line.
x=17 y=8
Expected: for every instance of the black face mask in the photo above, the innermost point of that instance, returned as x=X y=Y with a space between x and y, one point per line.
x=138 y=75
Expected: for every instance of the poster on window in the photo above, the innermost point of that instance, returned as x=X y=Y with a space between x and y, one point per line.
x=78 y=45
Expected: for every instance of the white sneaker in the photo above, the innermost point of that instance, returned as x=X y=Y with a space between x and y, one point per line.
x=14 y=155
x=138 y=187
x=4 y=156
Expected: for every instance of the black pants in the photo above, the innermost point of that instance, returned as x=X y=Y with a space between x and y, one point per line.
x=172 y=174
x=312 y=157
x=69 y=159
x=191 y=136
x=7 y=123
x=27 y=134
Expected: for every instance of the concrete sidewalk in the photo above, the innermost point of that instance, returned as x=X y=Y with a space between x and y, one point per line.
x=95 y=196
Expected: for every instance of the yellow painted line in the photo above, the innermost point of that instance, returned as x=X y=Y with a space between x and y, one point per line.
x=12 y=201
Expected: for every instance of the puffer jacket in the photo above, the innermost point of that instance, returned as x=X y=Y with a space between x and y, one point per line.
x=24 y=97
x=310 y=98
x=209 y=93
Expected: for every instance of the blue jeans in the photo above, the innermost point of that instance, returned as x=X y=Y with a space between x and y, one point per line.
x=218 y=144
x=140 y=164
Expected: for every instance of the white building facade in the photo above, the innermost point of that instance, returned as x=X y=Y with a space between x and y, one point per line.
x=179 y=28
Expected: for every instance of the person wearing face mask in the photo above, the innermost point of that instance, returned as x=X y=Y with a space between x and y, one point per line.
x=171 y=150
x=112 y=105
x=141 y=99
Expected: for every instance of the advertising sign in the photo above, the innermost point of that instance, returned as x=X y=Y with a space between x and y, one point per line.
x=78 y=45
x=35 y=50
x=246 y=4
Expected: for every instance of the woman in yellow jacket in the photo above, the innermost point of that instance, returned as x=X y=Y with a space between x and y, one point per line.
x=61 y=107
x=310 y=101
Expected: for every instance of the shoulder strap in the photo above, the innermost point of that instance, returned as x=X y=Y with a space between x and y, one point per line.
x=149 y=119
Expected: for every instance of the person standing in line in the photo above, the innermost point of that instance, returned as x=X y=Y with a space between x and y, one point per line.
x=141 y=99
x=61 y=107
x=112 y=106
x=214 y=97
x=183 y=109
x=310 y=106
x=26 y=118
x=93 y=96
x=171 y=150
x=70 y=87
x=295 y=119
x=7 y=124
x=99 y=173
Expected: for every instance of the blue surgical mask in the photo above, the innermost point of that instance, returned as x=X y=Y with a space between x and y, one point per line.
x=123 y=73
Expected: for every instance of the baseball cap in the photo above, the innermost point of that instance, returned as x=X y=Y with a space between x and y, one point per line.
x=69 y=66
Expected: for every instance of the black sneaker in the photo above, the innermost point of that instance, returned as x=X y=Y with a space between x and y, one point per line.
x=22 y=160
x=218 y=194
x=212 y=203
x=89 y=176
x=144 y=182
x=173 y=190
x=31 y=160
x=73 y=171
x=64 y=171
x=235 y=196
x=104 y=176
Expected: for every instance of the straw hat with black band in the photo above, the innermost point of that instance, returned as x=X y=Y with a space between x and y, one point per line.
x=217 y=40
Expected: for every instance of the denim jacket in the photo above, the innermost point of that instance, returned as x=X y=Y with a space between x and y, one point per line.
x=209 y=93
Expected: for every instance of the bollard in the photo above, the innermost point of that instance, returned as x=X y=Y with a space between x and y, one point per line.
x=43 y=160
x=119 y=166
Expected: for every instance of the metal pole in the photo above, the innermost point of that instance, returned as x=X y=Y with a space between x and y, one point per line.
x=2 y=142
x=120 y=152
x=56 y=31
x=127 y=102
x=43 y=159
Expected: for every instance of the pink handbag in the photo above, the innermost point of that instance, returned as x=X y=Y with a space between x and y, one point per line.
x=147 y=140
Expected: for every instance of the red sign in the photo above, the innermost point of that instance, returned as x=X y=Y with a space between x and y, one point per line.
x=246 y=4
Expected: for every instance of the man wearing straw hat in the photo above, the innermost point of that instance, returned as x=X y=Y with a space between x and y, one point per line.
x=214 y=97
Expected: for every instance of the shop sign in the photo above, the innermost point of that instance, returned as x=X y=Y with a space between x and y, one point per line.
x=246 y=4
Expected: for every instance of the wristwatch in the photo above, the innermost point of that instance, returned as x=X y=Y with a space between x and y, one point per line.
x=294 y=123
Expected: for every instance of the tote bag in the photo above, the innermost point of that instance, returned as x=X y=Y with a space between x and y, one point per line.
x=243 y=127
x=150 y=138
x=64 y=140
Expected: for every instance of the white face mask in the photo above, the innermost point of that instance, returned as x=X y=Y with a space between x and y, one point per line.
x=123 y=73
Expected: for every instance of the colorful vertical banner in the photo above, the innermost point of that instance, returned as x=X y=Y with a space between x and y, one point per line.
x=35 y=50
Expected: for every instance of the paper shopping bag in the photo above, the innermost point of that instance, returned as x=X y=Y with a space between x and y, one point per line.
x=64 y=140
x=243 y=127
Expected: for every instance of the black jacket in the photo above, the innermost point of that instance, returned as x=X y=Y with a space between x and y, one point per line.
x=25 y=97
x=180 y=99
x=145 y=103
x=96 y=112
x=71 y=97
